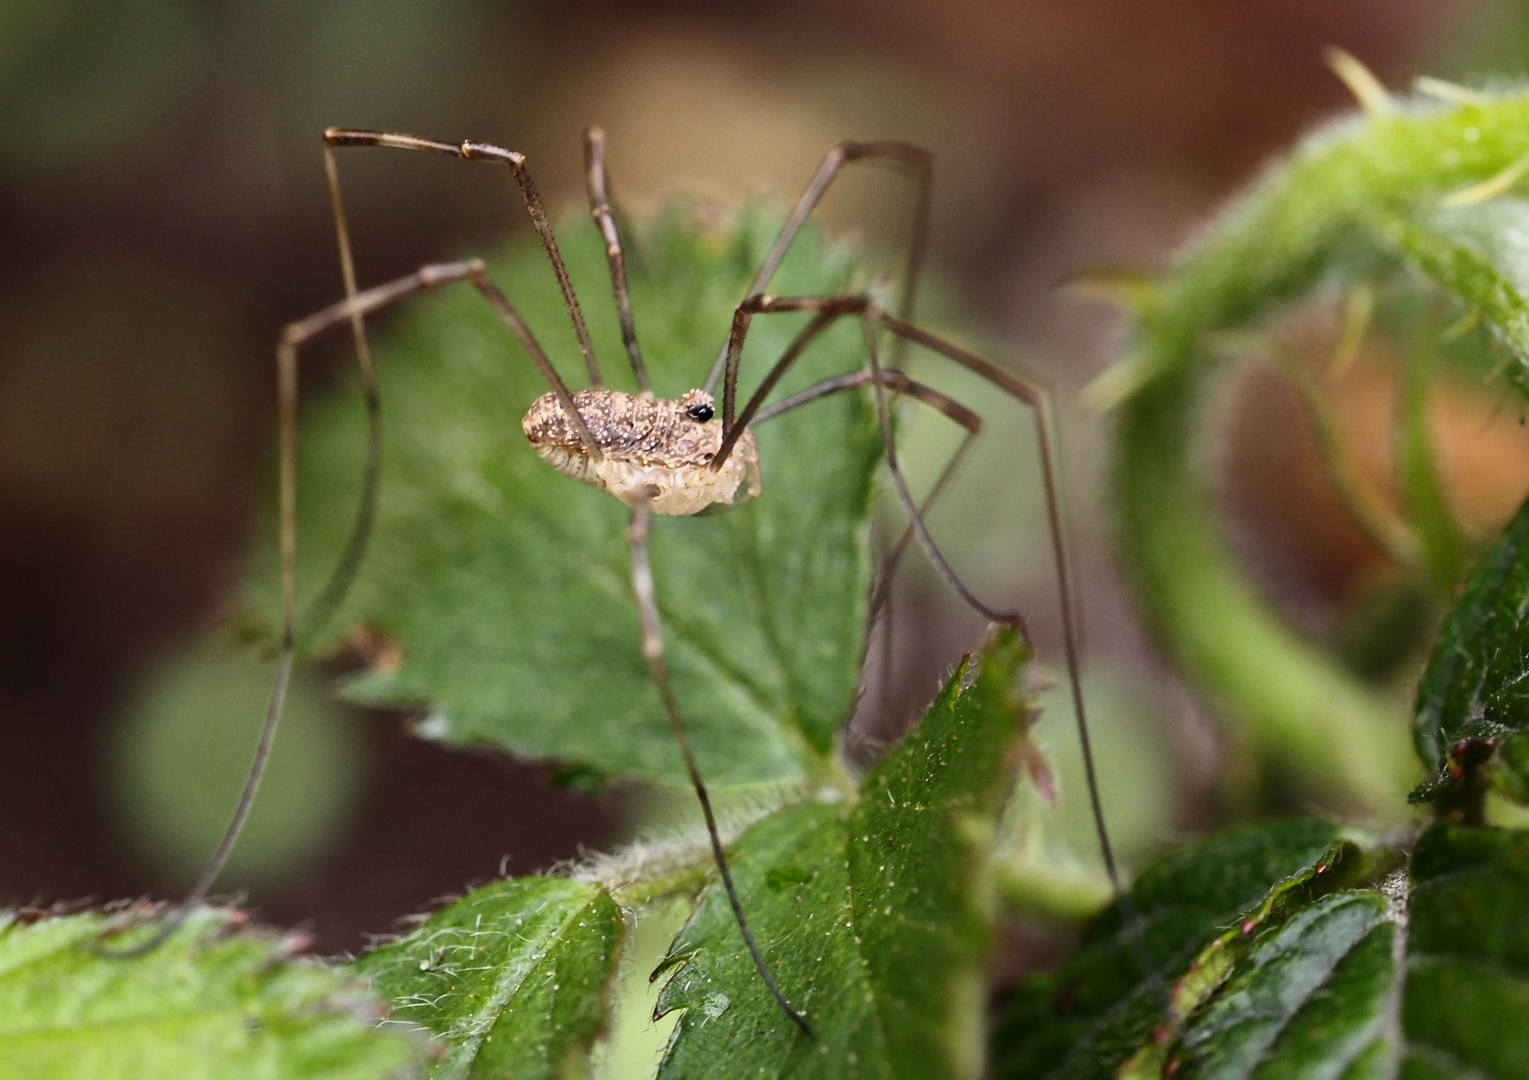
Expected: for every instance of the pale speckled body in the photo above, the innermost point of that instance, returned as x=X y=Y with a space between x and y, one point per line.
x=649 y=444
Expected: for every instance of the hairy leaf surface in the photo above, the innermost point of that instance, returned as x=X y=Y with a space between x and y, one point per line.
x=513 y=978
x=209 y=1003
x=873 y=918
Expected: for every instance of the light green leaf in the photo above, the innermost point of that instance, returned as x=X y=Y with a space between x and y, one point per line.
x=873 y=918
x=211 y=1002
x=514 y=978
x=507 y=586
x=1478 y=253
x=1342 y=206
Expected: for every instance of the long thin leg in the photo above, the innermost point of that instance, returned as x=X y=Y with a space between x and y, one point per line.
x=653 y=652
x=900 y=485
x=915 y=157
x=1032 y=392
x=475 y=151
x=1029 y=391
x=826 y=309
x=597 y=183
x=323 y=607
x=898 y=383
x=293 y=338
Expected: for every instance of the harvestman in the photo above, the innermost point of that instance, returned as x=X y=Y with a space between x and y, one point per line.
x=658 y=455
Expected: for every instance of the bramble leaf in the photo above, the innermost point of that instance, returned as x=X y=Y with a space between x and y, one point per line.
x=507 y=587
x=873 y=918
x=1090 y=1015
x=1473 y=693
x=513 y=978
x=1429 y=973
x=1467 y=980
x=211 y=1002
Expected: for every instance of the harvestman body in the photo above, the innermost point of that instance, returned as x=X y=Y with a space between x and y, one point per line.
x=652 y=450
x=676 y=457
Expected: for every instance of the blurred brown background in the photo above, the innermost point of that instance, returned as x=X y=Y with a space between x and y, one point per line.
x=163 y=213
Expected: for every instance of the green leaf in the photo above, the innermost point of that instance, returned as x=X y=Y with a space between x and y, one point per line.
x=873 y=918
x=1091 y=1015
x=514 y=977
x=210 y=1002
x=1473 y=690
x=1313 y=997
x=508 y=587
x=1467 y=988
x=1341 y=984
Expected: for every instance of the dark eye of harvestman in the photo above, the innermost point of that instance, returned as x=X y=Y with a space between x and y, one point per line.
x=700 y=411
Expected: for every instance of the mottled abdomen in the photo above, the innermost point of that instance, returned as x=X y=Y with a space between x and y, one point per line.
x=651 y=444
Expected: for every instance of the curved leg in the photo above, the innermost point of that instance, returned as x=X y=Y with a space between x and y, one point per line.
x=653 y=652
x=898 y=383
x=826 y=310
x=293 y=338
x=597 y=183
x=334 y=591
x=1029 y=391
x=1032 y=392
x=469 y=151
x=914 y=157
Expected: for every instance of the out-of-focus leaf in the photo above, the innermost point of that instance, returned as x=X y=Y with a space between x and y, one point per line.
x=513 y=978
x=209 y=1003
x=1477 y=252
x=1473 y=691
x=1095 y=1011
x=872 y=918
x=507 y=586
x=1443 y=550
x=1316 y=220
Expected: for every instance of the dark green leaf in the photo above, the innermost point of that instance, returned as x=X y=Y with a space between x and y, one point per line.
x=513 y=978
x=1473 y=688
x=1344 y=986
x=208 y=1003
x=1312 y=997
x=872 y=917
x=508 y=587
x=1092 y=1014
x=1467 y=989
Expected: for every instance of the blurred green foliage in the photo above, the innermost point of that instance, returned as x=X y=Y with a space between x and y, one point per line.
x=184 y=746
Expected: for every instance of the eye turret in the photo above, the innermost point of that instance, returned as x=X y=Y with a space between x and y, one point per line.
x=701 y=411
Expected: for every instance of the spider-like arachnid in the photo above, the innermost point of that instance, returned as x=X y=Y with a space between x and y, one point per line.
x=684 y=456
